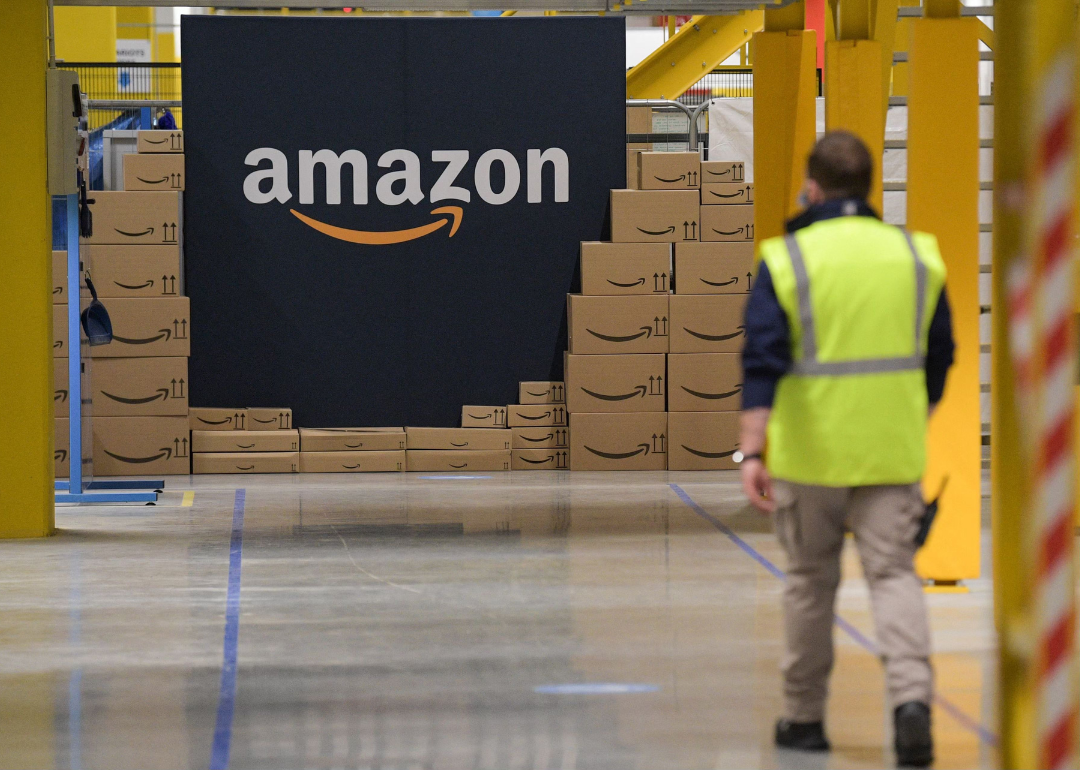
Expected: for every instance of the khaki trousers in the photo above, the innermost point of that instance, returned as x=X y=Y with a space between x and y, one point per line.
x=810 y=524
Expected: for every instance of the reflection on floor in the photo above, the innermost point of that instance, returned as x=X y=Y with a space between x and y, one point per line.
x=402 y=622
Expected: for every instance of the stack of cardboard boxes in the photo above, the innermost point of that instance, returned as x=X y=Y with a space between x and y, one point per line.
x=243 y=441
x=138 y=384
x=672 y=285
x=539 y=423
x=457 y=449
x=352 y=450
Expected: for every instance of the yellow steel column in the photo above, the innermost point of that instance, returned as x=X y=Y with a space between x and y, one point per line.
x=853 y=98
x=785 y=87
x=26 y=432
x=943 y=199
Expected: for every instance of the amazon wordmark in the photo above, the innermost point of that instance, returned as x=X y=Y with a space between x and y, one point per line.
x=400 y=183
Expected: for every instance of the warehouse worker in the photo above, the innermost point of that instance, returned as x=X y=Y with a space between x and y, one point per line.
x=848 y=342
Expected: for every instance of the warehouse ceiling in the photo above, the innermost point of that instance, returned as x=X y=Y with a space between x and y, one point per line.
x=646 y=7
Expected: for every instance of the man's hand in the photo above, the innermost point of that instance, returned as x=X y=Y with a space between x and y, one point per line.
x=757 y=485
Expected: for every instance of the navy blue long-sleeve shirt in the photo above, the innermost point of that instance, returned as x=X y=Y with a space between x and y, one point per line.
x=767 y=356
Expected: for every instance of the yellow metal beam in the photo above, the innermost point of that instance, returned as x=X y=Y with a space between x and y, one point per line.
x=788 y=17
x=26 y=432
x=986 y=35
x=785 y=114
x=701 y=44
x=854 y=19
x=943 y=133
x=853 y=98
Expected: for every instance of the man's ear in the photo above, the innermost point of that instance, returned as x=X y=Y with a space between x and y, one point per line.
x=814 y=194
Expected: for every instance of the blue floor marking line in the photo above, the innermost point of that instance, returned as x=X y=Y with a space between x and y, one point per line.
x=219 y=754
x=985 y=734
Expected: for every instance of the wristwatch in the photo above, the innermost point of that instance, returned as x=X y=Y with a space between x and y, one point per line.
x=739 y=457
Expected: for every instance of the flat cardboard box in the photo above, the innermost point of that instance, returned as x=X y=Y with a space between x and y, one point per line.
x=245 y=441
x=456 y=460
x=625 y=268
x=703 y=441
x=246 y=462
x=160 y=141
x=634 y=383
x=707 y=323
x=353 y=462
x=669 y=171
x=726 y=193
x=536 y=392
x=447 y=439
x=61 y=443
x=351 y=440
x=731 y=224
x=133 y=387
x=704 y=382
x=211 y=418
x=618 y=442
x=268 y=418
x=522 y=415
x=156 y=171
x=655 y=216
x=617 y=325
x=141 y=446
x=713 y=171
x=483 y=417
x=540 y=438
x=137 y=271
x=713 y=268
x=135 y=217
x=539 y=459
x=145 y=328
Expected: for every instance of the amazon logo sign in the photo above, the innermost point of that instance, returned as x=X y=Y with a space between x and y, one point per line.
x=496 y=180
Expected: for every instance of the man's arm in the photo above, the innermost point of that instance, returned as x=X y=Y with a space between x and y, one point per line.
x=940 y=350
x=755 y=478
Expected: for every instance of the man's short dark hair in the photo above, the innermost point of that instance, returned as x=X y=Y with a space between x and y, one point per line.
x=842 y=165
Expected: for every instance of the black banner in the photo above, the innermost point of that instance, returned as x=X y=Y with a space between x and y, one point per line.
x=382 y=216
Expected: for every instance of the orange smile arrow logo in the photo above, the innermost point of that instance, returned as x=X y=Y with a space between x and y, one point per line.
x=385 y=237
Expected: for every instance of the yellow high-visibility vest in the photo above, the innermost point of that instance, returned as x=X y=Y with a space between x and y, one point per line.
x=859 y=296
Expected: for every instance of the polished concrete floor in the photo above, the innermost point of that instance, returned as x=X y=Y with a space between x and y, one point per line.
x=517 y=621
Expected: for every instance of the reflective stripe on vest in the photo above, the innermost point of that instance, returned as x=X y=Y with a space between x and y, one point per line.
x=809 y=365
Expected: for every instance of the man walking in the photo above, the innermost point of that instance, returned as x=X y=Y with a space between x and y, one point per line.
x=848 y=343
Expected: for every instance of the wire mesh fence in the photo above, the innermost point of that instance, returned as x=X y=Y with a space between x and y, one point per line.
x=727 y=82
x=106 y=80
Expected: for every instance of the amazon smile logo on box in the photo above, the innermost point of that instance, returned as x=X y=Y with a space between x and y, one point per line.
x=401 y=184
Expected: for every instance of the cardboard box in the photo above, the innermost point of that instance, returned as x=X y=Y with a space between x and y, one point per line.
x=713 y=171
x=540 y=438
x=632 y=166
x=351 y=439
x=352 y=462
x=144 y=328
x=61 y=405
x=246 y=462
x=158 y=171
x=704 y=382
x=457 y=460
x=625 y=268
x=618 y=442
x=522 y=415
x=59 y=272
x=707 y=323
x=447 y=439
x=539 y=459
x=655 y=216
x=60 y=331
x=726 y=193
x=634 y=383
x=714 y=268
x=137 y=271
x=483 y=417
x=135 y=217
x=160 y=141
x=210 y=418
x=268 y=418
x=141 y=446
x=245 y=441
x=639 y=120
x=703 y=441
x=669 y=170
x=728 y=223
x=132 y=387
x=541 y=393
x=608 y=325
x=61 y=443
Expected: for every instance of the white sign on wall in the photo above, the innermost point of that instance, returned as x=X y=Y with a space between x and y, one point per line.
x=134 y=51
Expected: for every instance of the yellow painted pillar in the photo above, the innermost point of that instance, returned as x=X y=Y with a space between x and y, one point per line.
x=26 y=432
x=853 y=98
x=943 y=199
x=785 y=87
